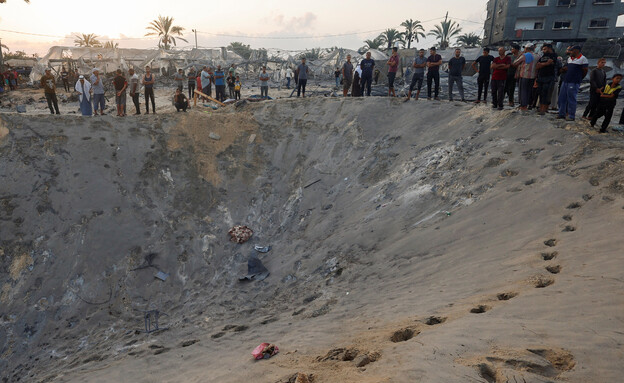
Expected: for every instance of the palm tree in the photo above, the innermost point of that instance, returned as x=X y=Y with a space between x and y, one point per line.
x=111 y=45
x=312 y=54
x=164 y=29
x=390 y=36
x=445 y=32
x=375 y=43
x=470 y=40
x=413 y=30
x=87 y=40
x=240 y=49
x=2 y=46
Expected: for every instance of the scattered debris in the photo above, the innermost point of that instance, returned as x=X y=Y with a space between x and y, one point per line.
x=252 y=138
x=214 y=136
x=21 y=109
x=262 y=249
x=151 y=321
x=310 y=184
x=240 y=234
x=265 y=351
x=255 y=270
x=161 y=275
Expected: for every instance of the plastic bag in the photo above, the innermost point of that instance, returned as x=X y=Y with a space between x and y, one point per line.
x=264 y=351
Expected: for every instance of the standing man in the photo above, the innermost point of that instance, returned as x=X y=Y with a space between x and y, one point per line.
x=232 y=71
x=510 y=83
x=179 y=79
x=527 y=72
x=120 y=84
x=575 y=72
x=289 y=74
x=97 y=85
x=433 y=73
x=393 y=66
x=219 y=80
x=456 y=67
x=597 y=81
x=420 y=63
x=49 y=88
x=231 y=80
x=192 y=80
x=264 y=83
x=485 y=63
x=148 y=83
x=134 y=90
x=302 y=75
x=65 y=78
x=367 y=65
x=347 y=76
x=84 y=88
x=205 y=81
x=546 y=75
x=500 y=66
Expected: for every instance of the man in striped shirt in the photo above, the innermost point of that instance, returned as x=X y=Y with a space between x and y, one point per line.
x=575 y=72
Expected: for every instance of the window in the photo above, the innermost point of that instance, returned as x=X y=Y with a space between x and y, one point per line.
x=566 y=3
x=599 y=23
x=529 y=24
x=562 y=25
x=603 y=1
x=538 y=25
x=532 y=3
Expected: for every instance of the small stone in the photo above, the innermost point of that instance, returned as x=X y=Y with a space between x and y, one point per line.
x=362 y=360
x=252 y=138
x=214 y=136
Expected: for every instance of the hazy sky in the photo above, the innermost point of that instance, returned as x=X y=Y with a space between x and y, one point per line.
x=248 y=21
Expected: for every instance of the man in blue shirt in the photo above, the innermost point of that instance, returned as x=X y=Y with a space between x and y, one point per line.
x=219 y=77
x=456 y=67
x=367 y=65
x=575 y=72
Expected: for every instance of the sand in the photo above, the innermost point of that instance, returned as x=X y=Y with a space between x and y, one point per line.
x=444 y=242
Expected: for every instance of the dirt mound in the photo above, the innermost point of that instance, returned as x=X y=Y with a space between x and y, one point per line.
x=388 y=224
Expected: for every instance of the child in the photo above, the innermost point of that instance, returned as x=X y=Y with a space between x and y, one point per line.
x=606 y=104
x=237 y=88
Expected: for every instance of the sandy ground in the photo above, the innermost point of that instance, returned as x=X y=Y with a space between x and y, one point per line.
x=443 y=242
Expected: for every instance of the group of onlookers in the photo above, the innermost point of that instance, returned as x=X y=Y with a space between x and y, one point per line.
x=9 y=79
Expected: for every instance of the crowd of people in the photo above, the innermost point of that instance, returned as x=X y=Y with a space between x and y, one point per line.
x=543 y=81
x=9 y=79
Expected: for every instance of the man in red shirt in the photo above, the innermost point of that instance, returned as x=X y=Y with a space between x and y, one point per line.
x=499 y=75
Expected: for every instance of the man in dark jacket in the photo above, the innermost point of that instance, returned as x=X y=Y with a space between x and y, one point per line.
x=597 y=81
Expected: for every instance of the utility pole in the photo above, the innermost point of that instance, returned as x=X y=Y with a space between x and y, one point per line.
x=195 y=31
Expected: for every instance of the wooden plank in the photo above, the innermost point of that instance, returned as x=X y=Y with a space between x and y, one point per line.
x=209 y=98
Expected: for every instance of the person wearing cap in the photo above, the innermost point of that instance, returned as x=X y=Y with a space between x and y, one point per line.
x=575 y=72
x=83 y=87
x=49 y=88
x=97 y=85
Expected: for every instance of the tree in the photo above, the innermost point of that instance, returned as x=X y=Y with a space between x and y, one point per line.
x=413 y=31
x=111 y=45
x=240 y=49
x=164 y=29
x=469 y=40
x=2 y=46
x=87 y=40
x=375 y=43
x=444 y=32
x=390 y=36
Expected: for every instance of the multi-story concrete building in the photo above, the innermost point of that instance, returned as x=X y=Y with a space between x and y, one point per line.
x=552 y=20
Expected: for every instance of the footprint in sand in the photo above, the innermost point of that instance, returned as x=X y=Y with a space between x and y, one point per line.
x=553 y=269
x=574 y=205
x=549 y=256
x=568 y=228
x=506 y=296
x=403 y=335
x=541 y=281
x=550 y=242
x=567 y=217
x=433 y=320
x=480 y=309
